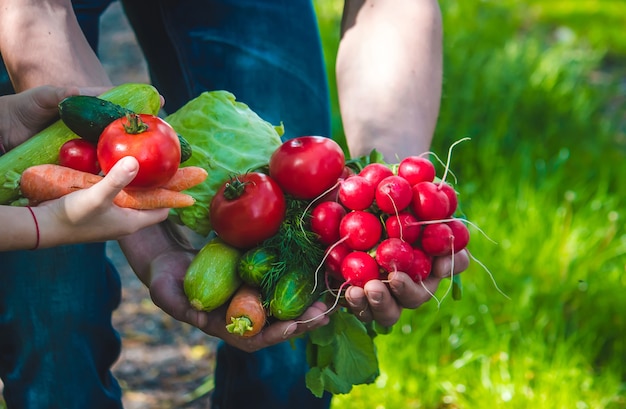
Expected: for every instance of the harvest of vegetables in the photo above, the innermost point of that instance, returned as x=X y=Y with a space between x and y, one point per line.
x=296 y=222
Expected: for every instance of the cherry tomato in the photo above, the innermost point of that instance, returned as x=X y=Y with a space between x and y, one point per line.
x=79 y=154
x=307 y=166
x=247 y=209
x=151 y=140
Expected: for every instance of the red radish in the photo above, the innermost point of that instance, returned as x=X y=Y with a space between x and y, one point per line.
x=394 y=255
x=333 y=194
x=334 y=256
x=421 y=266
x=403 y=226
x=437 y=239
x=358 y=267
x=360 y=229
x=460 y=233
x=429 y=202
x=451 y=194
x=356 y=193
x=393 y=194
x=375 y=172
x=325 y=219
x=416 y=169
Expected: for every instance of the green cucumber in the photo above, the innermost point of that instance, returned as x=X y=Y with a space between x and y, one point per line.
x=87 y=116
x=44 y=147
x=294 y=292
x=255 y=264
x=211 y=278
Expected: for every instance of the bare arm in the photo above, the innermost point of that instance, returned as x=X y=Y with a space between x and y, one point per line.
x=389 y=75
x=389 y=79
x=42 y=43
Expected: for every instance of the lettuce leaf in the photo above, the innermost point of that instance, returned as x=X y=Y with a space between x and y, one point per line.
x=227 y=138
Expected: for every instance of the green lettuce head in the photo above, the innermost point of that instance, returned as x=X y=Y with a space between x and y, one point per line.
x=227 y=138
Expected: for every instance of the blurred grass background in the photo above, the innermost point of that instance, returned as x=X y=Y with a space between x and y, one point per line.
x=539 y=87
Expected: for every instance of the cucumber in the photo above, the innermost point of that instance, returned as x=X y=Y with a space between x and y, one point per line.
x=294 y=292
x=255 y=264
x=44 y=146
x=87 y=116
x=211 y=278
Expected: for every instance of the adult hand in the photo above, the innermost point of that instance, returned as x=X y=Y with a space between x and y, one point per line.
x=28 y=112
x=383 y=303
x=166 y=289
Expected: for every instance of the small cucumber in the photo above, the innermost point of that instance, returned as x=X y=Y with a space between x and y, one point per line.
x=211 y=278
x=185 y=149
x=87 y=116
x=255 y=264
x=294 y=292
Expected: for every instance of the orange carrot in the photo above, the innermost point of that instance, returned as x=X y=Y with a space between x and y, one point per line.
x=245 y=315
x=40 y=183
x=46 y=182
x=186 y=177
x=155 y=198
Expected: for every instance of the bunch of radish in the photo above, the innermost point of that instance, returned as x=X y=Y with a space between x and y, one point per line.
x=389 y=218
x=373 y=218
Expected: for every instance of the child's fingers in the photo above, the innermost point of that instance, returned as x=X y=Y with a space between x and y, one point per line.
x=120 y=175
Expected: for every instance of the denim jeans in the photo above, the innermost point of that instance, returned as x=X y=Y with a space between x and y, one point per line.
x=268 y=54
x=57 y=343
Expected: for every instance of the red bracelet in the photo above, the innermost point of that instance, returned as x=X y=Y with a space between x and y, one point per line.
x=36 y=227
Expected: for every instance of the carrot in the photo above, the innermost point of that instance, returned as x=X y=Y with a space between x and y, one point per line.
x=40 y=183
x=155 y=198
x=186 y=177
x=245 y=314
x=46 y=182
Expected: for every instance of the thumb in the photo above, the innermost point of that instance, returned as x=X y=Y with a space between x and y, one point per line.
x=119 y=176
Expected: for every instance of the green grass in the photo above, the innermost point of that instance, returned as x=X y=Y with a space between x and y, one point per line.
x=534 y=86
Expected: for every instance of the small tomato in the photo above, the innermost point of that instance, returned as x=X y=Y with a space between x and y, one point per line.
x=79 y=154
x=151 y=140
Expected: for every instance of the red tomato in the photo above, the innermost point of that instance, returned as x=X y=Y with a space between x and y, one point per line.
x=79 y=154
x=247 y=209
x=307 y=166
x=151 y=140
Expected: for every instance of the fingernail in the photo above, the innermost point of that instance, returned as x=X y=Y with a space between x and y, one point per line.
x=375 y=297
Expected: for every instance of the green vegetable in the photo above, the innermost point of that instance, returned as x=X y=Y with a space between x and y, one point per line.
x=255 y=264
x=87 y=116
x=227 y=138
x=341 y=354
x=211 y=278
x=44 y=146
x=294 y=292
x=185 y=149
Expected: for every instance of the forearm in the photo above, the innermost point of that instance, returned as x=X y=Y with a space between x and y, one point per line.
x=42 y=43
x=389 y=75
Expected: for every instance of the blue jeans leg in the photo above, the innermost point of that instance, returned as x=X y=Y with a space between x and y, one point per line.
x=57 y=343
x=268 y=54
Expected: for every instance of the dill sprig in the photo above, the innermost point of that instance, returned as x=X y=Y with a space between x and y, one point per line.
x=295 y=244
